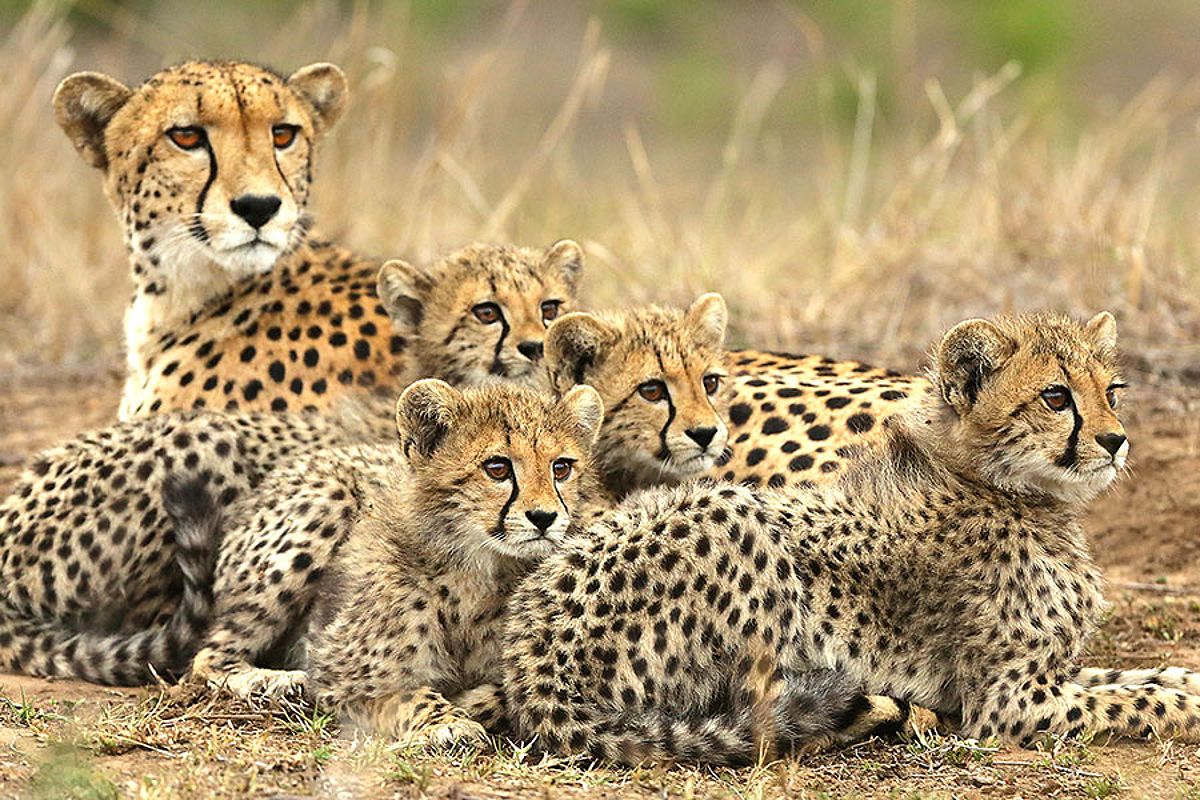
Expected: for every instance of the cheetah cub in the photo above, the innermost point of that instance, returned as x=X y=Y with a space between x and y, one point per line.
x=659 y=372
x=948 y=568
x=412 y=609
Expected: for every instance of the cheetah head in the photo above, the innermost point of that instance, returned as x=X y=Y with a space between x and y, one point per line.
x=498 y=470
x=659 y=372
x=207 y=163
x=1035 y=402
x=480 y=315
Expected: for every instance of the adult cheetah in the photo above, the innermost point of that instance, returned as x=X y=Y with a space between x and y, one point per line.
x=949 y=569
x=236 y=306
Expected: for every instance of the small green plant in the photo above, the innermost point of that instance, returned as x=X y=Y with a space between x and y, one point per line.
x=314 y=722
x=1068 y=753
x=322 y=754
x=1103 y=786
x=406 y=772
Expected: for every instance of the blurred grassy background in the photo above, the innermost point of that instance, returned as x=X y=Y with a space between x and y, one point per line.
x=853 y=175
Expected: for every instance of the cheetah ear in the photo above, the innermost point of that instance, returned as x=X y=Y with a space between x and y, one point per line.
x=402 y=288
x=566 y=257
x=707 y=318
x=586 y=410
x=84 y=104
x=970 y=352
x=324 y=87
x=574 y=343
x=424 y=414
x=1103 y=330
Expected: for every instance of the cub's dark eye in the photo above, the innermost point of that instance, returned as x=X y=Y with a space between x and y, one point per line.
x=1057 y=398
x=712 y=383
x=498 y=469
x=550 y=310
x=284 y=135
x=187 y=138
x=1110 y=394
x=653 y=391
x=562 y=468
x=487 y=313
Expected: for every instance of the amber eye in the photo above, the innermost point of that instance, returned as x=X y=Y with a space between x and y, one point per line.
x=487 y=313
x=712 y=383
x=1110 y=394
x=498 y=469
x=1057 y=398
x=653 y=391
x=562 y=468
x=550 y=310
x=284 y=135
x=188 y=138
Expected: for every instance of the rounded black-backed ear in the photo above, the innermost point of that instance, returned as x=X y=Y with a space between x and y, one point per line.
x=424 y=414
x=402 y=289
x=565 y=257
x=1102 y=329
x=84 y=104
x=574 y=343
x=325 y=88
x=585 y=409
x=970 y=352
x=706 y=319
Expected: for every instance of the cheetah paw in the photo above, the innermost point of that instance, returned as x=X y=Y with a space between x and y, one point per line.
x=450 y=732
x=263 y=683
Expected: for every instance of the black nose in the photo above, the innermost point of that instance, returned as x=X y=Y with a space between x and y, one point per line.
x=701 y=436
x=256 y=209
x=1110 y=441
x=541 y=519
x=531 y=350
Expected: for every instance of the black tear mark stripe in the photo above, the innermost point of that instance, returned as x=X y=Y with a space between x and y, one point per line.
x=512 y=498
x=1071 y=454
x=279 y=169
x=197 y=226
x=497 y=368
x=664 y=452
x=563 y=503
x=275 y=152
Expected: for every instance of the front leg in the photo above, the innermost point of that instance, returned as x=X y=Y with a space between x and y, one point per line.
x=416 y=718
x=485 y=705
x=381 y=656
x=268 y=573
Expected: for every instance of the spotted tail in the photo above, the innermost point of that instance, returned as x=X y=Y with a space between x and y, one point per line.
x=1179 y=678
x=816 y=706
x=50 y=648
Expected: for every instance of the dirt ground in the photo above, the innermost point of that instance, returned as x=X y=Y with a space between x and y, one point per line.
x=67 y=739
